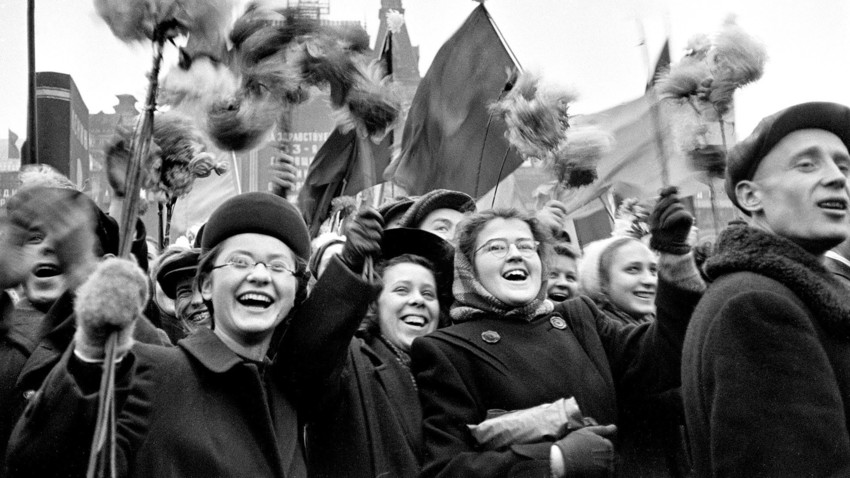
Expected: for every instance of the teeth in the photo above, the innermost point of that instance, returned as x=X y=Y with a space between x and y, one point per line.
x=414 y=321
x=834 y=204
x=644 y=295
x=515 y=275
x=254 y=300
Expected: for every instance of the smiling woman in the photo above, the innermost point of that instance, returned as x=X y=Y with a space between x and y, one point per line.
x=511 y=349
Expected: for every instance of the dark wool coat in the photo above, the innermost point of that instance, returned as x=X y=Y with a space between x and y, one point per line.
x=766 y=363
x=190 y=411
x=30 y=348
x=370 y=423
x=587 y=356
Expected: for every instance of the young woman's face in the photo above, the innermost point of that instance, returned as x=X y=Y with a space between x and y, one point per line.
x=507 y=262
x=408 y=306
x=633 y=279
x=250 y=301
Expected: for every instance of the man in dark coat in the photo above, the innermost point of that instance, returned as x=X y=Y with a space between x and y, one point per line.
x=766 y=359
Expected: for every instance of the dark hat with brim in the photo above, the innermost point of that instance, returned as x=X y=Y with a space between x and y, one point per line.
x=258 y=213
x=395 y=209
x=404 y=240
x=746 y=156
x=437 y=199
x=176 y=269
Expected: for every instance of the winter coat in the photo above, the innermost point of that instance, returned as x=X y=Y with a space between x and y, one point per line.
x=194 y=410
x=31 y=347
x=838 y=267
x=766 y=363
x=370 y=423
x=466 y=370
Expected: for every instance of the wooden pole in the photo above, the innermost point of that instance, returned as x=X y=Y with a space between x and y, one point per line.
x=32 y=117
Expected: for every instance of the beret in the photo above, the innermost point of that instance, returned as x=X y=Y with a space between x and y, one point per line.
x=745 y=157
x=258 y=213
x=395 y=209
x=437 y=199
x=177 y=268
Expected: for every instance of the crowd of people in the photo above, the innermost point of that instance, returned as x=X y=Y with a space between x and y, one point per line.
x=433 y=339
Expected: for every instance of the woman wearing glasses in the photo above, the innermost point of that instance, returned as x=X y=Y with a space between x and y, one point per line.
x=224 y=401
x=512 y=350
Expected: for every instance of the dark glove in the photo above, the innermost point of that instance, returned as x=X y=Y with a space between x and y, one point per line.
x=109 y=301
x=363 y=239
x=670 y=224
x=588 y=453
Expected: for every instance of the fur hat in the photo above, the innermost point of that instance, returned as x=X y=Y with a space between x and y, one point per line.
x=259 y=213
x=437 y=199
x=745 y=157
x=176 y=268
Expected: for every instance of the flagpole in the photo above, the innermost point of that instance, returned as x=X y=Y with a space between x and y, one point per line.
x=32 y=123
x=654 y=108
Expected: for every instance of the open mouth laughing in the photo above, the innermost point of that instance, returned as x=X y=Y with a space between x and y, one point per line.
x=255 y=300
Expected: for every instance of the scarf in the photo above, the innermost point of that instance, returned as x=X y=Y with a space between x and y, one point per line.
x=473 y=301
x=741 y=248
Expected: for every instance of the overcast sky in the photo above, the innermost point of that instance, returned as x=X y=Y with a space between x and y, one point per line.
x=595 y=46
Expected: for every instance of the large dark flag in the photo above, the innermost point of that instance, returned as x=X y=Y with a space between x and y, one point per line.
x=450 y=140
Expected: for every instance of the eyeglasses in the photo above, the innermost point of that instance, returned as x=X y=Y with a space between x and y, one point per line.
x=243 y=263
x=499 y=247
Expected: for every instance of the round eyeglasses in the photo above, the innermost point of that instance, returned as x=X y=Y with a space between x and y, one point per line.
x=243 y=263
x=499 y=247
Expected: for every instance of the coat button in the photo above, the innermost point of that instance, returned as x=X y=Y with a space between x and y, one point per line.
x=558 y=322
x=490 y=336
x=29 y=394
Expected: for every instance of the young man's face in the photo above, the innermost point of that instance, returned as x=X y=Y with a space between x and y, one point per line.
x=801 y=189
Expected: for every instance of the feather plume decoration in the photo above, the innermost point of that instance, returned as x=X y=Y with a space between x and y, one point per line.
x=139 y=20
x=574 y=163
x=395 y=20
x=737 y=57
x=372 y=106
x=241 y=121
x=536 y=120
x=683 y=80
x=630 y=220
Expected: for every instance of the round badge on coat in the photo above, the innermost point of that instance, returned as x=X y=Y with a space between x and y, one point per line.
x=490 y=336
x=558 y=322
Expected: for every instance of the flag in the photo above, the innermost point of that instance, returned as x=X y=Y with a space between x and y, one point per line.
x=661 y=66
x=344 y=165
x=14 y=152
x=450 y=140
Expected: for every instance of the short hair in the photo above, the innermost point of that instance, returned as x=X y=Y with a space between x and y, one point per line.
x=43 y=175
x=567 y=250
x=469 y=228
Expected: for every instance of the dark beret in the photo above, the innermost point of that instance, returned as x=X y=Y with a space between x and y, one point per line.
x=258 y=213
x=745 y=157
x=177 y=268
x=437 y=199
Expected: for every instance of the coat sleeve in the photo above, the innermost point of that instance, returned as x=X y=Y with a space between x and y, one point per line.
x=447 y=407
x=312 y=352
x=54 y=436
x=647 y=358
x=774 y=407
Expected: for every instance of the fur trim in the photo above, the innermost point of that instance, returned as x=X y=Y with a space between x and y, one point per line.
x=746 y=249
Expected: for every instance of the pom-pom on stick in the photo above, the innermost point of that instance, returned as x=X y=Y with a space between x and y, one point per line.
x=574 y=164
x=109 y=301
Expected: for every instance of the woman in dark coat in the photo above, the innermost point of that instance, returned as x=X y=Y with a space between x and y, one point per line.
x=369 y=422
x=511 y=350
x=224 y=401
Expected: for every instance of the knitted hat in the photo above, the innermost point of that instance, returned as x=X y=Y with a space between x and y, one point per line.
x=177 y=268
x=745 y=157
x=395 y=209
x=590 y=274
x=259 y=213
x=437 y=199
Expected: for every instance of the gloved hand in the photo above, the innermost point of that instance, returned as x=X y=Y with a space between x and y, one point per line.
x=363 y=239
x=283 y=174
x=588 y=453
x=66 y=219
x=670 y=223
x=553 y=216
x=109 y=301
x=16 y=260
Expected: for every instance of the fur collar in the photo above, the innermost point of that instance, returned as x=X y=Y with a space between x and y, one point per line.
x=742 y=248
